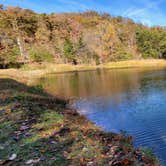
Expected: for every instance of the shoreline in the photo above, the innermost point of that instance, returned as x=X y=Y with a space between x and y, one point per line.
x=121 y=150
x=38 y=120
x=39 y=70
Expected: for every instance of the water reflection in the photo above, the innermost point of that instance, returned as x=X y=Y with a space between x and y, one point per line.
x=94 y=83
x=132 y=100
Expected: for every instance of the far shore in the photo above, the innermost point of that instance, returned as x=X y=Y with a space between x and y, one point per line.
x=38 y=70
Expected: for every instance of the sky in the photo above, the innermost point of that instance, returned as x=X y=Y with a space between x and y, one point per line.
x=148 y=12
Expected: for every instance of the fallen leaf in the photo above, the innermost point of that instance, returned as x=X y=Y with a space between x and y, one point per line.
x=12 y=157
x=65 y=154
x=82 y=161
x=1 y=162
x=126 y=162
x=1 y=147
x=24 y=128
x=43 y=150
x=29 y=161
x=90 y=163
x=32 y=161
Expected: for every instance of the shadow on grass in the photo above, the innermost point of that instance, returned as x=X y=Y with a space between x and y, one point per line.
x=28 y=119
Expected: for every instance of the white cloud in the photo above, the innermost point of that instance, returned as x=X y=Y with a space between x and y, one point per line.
x=146 y=13
x=136 y=11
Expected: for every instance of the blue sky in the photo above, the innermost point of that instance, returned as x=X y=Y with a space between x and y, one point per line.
x=149 y=12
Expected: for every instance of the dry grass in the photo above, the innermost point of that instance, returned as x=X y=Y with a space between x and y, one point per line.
x=136 y=63
x=35 y=70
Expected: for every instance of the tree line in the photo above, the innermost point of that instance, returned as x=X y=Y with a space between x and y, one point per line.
x=88 y=37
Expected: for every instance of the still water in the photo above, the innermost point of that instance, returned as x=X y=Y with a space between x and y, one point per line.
x=130 y=100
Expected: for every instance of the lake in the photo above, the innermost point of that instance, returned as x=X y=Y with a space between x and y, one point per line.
x=122 y=100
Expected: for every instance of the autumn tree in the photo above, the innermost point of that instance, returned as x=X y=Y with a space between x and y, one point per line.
x=87 y=37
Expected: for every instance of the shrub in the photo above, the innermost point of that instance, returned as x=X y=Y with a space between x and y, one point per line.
x=10 y=56
x=68 y=50
x=13 y=54
x=40 y=55
x=122 y=54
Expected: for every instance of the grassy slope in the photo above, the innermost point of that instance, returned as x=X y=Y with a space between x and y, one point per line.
x=40 y=130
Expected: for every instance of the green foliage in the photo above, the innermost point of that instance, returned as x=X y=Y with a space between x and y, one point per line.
x=122 y=54
x=80 y=43
x=151 y=42
x=13 y=54
x=68 y=50
x=9 y=56
x=40 y=55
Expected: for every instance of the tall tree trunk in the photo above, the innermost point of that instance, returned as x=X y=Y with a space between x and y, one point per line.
x=19 y=40
x=19 y=43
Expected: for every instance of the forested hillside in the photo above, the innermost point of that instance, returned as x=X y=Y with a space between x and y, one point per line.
x=88 y=37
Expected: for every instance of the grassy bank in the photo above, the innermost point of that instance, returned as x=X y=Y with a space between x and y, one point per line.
x=136 y=64
x=38 y=129
x=37 y=70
